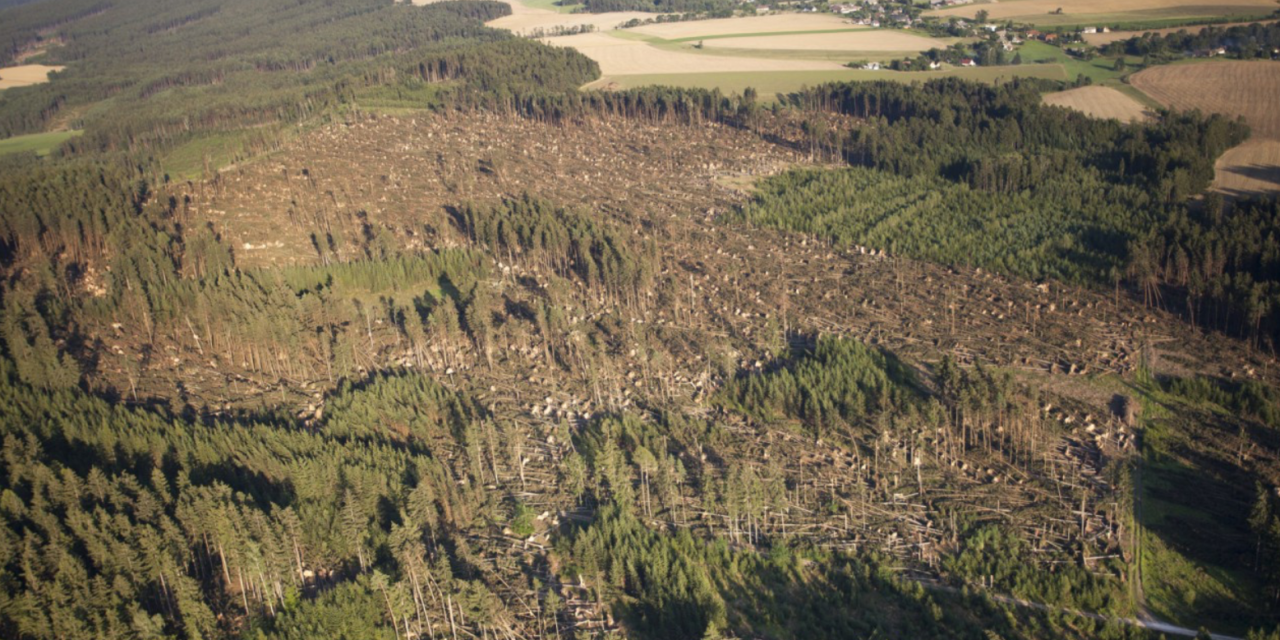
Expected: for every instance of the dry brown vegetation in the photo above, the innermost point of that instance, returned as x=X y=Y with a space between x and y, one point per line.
x=1099 y=102
x=1234 y=88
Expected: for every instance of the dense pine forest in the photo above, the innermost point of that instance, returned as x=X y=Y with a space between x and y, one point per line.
x=360 y=319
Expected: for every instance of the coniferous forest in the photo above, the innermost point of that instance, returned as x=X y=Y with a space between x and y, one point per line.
x=357 y=319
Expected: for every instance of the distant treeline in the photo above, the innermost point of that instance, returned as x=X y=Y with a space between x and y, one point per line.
x=1256 y=40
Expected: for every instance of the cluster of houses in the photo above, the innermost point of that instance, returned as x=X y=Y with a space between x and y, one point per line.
x=873 y=13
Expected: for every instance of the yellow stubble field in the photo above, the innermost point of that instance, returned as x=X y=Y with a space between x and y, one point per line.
x=1248 y=89
x=25 y=75
x=1099 y=102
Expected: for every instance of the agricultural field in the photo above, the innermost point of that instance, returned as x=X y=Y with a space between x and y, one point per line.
x=1236 y=88
x=771 y=83
x=775 y=54
x=622 y=57
x=1109 y=12
x=753 y=25
x=1103 y=39
x=849 y=44
x=1100 y=102
x=25 y=75
x=534 y=18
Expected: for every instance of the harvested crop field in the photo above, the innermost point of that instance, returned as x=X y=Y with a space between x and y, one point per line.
x=1109 y=11
x=877 y=40
x=1099 y=102
x=1233 y=88
x=25 y=75
x=1229 y=87
x=618 y=56
x=782 y=22
x=771 y=83
x=1251 y=168
x=529 y=20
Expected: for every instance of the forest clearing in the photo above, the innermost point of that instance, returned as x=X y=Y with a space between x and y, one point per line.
x=26 y=75
x=1108 y=12
x=1247 y=89
x=1099 y=102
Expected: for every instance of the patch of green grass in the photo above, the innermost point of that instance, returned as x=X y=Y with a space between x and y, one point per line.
x=40 y=143
x=1101 y=70
x=189 y=160
x=769 y=83
x=1196 y=547
x=1179 y=590
x=550 y=5
x=403 y=97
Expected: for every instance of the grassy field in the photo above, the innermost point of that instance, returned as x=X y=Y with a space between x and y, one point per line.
x=188 y=161
x=551 y=5
x=40 y=143
x=1195 y=540
x=1131 y=13
x=1100 y=70
x=771 y=83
